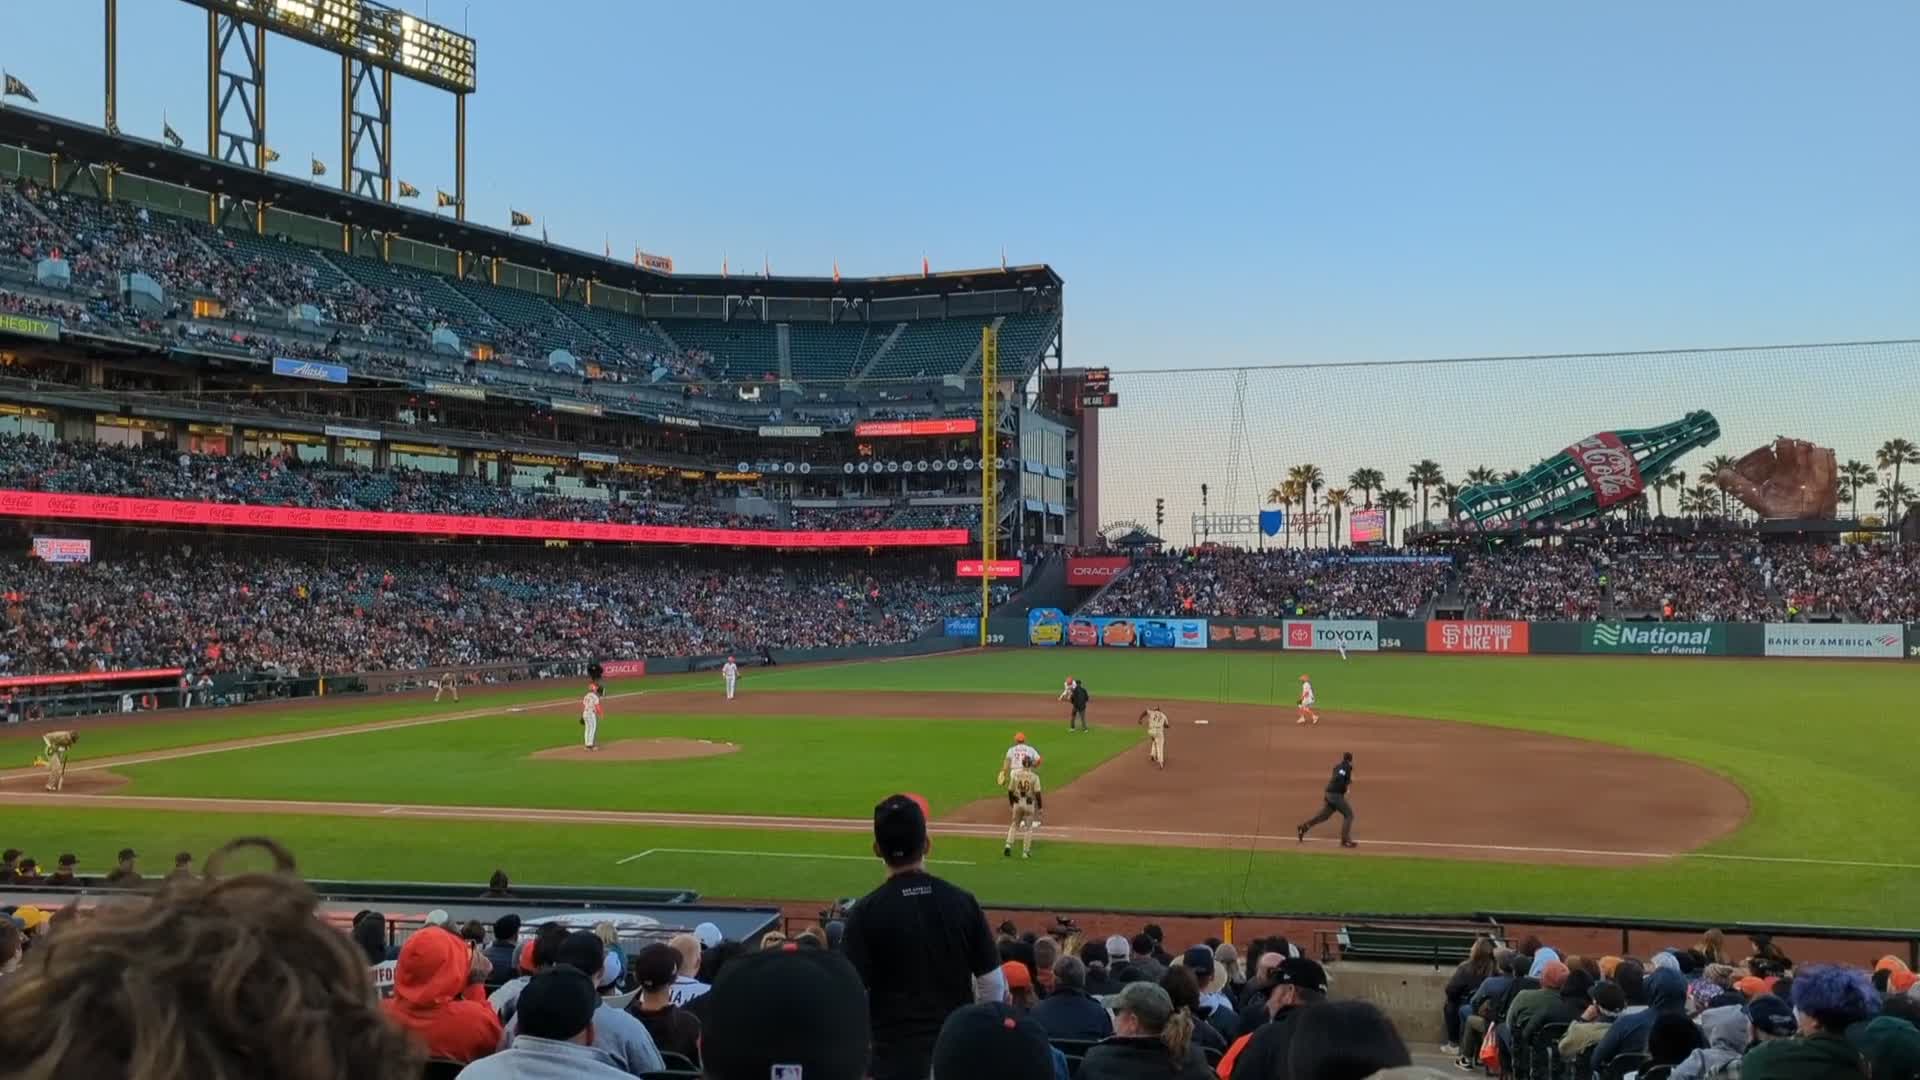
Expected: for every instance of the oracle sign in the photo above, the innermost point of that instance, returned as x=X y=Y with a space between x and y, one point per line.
x=1096 y=570
x=623 y=668
x=1002 y=568
x=882 y=428
x=1467 y=636
x=52 y=506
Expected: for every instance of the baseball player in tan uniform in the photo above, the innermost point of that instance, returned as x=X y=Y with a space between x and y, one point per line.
x=1023 y=801
x=1156 y=722
x=447 y=684
x=57 y=744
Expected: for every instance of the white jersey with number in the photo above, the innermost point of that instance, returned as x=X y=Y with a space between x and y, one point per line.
x=590 y=706
x=1156 y=723
x=1022 y=756
x=1306 y=694
x=731 y=671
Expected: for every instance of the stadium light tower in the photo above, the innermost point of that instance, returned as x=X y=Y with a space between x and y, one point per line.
x=374 y=42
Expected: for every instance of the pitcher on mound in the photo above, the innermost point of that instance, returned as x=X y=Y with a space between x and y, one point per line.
x=590 y=715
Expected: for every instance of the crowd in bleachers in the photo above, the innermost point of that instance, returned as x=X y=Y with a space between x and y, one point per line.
x=1704 y=581
x=910 y=982
x=1266 y=584
x=290 y=613
x=1680 y=1014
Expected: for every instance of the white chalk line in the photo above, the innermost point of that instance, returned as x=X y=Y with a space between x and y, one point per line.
x=774 y=823
x=773 y=855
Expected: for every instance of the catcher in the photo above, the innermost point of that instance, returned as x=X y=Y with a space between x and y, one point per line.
x=1156 y=722
x=1023 y=801
x=57 y=744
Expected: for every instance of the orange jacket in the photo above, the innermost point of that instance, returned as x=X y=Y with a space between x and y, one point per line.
x=434 y=1000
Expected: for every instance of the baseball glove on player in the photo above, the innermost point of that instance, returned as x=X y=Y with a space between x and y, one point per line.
x=1790 y=479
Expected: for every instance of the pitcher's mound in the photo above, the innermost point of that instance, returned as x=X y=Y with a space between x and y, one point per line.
x=91 y=782
x=635 y=750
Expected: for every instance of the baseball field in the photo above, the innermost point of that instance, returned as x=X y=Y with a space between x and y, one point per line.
x=1708 y=789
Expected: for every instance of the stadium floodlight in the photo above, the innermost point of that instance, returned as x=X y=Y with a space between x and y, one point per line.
x=424 y=51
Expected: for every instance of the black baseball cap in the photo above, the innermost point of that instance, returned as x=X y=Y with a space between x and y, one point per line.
x=787 y=1011
x=900 y=828
x=1301 y=972
x=991 y=1040
x=127 y=853
x=558 y=1004
x=1773 y=1016
x=69 y=859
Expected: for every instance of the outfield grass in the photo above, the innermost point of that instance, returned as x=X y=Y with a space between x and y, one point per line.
x=1818 y=746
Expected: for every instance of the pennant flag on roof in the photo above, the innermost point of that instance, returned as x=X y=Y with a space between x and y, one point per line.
x=517 y=219
x=173 y=137
x=408 y=191
x=318 y=167
x=15 y=88
x=441 y=198
x=271 y=155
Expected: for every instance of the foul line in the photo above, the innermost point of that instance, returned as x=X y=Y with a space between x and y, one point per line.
x=773 y=855
x=1066 y=834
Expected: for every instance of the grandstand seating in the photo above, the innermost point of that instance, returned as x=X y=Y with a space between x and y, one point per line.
x=741 y=348
x=833 y=352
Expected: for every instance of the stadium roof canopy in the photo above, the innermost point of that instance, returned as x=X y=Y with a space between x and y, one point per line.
x=86 y=144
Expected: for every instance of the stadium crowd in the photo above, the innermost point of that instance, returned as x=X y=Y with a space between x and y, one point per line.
x=909 y=982
x=1266 y=584
x=30 y=463
x=355 y=609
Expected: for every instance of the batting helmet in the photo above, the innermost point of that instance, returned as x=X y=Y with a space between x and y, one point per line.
x=1019 y=736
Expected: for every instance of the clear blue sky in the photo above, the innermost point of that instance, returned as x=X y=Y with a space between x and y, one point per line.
x=1218 y=184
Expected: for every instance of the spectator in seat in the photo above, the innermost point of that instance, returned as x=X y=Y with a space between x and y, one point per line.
x=438 y=998
x=921 y=945
x=788 y=1012
x=27 y=871
x=182 y=866
x=991 y=1041
x=1890 y=1045
x=1486 y=1008
x=1184 y=990
x=618 y=1037
x=1344 y=1040
x=500 y=953
x=1070 y=1012
x=1151 y=1041
x=1020 y=992
x=1606 y=1002
x=1672 y=1039
x=1727 y=1032
x=499 y=886
x=1666 y=993
x=1146 y=967
x=1566 y=1006
x=674 y=1029
x=1530 y=1006
x=1477 y=968
x=1298 y=983
x=542 y=952
x=556 y=1015
x=8 y=860
x=370 y=934
x=66 y=874
x=1046 y=950
x=1826 y=1001
x=125 y=875
x=686 y=983
x=132 y=991
x=1213 y=1006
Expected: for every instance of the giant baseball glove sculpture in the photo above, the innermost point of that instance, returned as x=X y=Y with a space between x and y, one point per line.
x=1791 y=479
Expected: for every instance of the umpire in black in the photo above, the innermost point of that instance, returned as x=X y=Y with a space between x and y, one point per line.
x=1336 y=803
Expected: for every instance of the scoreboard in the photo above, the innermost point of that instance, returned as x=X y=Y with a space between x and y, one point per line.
x=1096 y=389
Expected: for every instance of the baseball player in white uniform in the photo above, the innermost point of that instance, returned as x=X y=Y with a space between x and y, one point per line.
x=447 y=684
x=731 y=673
x=1306 y=714
x=1019 y=756
x=590 y=715
x=1156 y=722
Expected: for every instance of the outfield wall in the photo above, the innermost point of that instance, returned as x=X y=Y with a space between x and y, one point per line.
x=1050 y=628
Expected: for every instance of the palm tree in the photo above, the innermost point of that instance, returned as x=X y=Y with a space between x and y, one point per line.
x=1448 y=494
x=1481 y=475
x=1286 y=495
x=1713 y=466
x=1856 y=475
x=1336 y=501
x=1703 y=495
x=1667 y=479
x=1510 y=476
x=1393 y=501
x=1422 y=475
x=1891 y=498
x=1892 y=454
x=1367 y=481
x=1310 y=480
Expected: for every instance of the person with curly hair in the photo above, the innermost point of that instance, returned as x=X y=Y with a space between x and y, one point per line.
x=1826 y=1001
x=134 y=992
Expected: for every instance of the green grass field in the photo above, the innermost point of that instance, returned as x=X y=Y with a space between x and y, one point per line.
x=1820 y=747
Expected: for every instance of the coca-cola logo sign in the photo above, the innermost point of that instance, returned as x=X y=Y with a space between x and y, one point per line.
x=1611 y=472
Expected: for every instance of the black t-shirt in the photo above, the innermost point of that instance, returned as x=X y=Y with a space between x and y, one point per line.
x=1342 y=776
x=1079 y=696
x=918 y=942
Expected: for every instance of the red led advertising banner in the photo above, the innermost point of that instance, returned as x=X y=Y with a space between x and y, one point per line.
x=916 y=427
x=90 y=677
x=42 y=505
x=1002 y=568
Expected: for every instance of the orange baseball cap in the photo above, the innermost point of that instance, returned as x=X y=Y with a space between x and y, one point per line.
x=1303 y=678
x=1019 y=736
x=1018 y=977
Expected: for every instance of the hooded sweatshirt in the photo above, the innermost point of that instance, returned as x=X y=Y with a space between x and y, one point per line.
x=434 y=1001
x=1727 y=1031
x=1820 y=1057
x=1666 y=993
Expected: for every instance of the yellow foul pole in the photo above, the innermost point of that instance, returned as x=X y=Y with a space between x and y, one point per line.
x=989 y=473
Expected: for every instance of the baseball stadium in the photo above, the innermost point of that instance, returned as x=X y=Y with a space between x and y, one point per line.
x=441 y=558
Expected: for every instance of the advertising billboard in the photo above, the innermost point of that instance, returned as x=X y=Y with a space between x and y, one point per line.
x=60 y=549
x=54 y=506
x=1656 y=639
x=29 y=326
x=1326 y=635
x=1476 y=636
x=1002 y=568
x=1126 y=632
x=1046 y=626
x=623 y=669
x=1861 y=640
x=963 y=626
x=309 y=369
x=897 y=428
x=1367 y=526
x=1093 y=571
